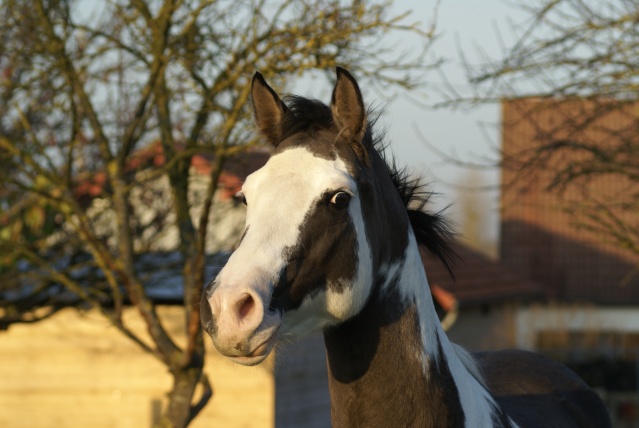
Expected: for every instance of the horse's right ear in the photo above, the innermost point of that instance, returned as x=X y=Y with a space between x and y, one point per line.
x=268 y=109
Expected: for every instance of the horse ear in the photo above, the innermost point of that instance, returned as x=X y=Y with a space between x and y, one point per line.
x=347 y=106
x=268 y=109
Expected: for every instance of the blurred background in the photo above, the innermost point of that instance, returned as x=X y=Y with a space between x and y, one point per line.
x=126 y=131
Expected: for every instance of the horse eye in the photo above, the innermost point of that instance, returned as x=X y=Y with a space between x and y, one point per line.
x=241 y=197
x=340 y=200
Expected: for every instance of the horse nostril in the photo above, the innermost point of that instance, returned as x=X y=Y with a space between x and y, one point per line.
x=245 y=306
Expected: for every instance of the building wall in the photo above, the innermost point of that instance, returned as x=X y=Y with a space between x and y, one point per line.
x=490 y=327
x=577 y=318
x=76 y=370
x=612 y=331
x=151 y=201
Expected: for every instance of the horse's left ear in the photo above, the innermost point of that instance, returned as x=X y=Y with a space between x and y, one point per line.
x=348 y=109
x=268 y=109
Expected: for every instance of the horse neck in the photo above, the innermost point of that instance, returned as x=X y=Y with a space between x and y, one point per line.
x=392 y=364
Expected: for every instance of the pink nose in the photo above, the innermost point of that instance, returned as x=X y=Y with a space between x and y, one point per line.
x=237 y=315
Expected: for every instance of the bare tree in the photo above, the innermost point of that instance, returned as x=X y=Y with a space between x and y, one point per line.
x=569 y=84
x=84 y=86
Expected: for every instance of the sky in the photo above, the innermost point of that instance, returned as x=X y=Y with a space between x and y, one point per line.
x=472 y=135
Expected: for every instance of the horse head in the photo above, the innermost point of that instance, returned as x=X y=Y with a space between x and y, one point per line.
x=305 y=261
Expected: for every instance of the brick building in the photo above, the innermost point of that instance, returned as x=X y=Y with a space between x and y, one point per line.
x=545 y=226
x=565 y=180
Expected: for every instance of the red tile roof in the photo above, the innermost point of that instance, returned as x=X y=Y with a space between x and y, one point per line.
x=236 y=169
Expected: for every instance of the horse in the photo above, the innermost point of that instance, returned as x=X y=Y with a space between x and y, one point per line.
x=331 y=243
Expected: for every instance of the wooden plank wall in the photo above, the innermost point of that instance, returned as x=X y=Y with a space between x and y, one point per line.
x=76 y=370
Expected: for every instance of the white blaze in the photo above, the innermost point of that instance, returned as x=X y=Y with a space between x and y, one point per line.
x=279 y=196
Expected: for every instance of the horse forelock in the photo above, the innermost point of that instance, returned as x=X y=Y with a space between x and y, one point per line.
x=305 y=115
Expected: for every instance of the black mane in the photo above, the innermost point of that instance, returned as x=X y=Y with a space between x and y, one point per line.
x=432 y=230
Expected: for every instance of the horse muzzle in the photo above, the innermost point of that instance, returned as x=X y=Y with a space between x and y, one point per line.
x=239 y=323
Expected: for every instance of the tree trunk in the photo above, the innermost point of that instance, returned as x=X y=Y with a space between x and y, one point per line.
x=180 y=410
